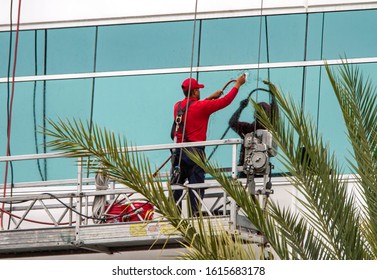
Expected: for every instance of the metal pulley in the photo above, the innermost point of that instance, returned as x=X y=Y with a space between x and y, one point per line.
x=259 y=147
x=259 y=160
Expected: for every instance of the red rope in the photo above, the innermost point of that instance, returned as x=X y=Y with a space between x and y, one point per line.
x=11 y=110
x=35 y=221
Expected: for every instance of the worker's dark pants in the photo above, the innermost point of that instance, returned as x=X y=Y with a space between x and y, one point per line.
x=188 y=170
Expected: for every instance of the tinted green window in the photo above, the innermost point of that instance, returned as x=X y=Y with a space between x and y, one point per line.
x=331 y=122
x=286 y=37
x=70 y=50
x=30 y=53
x=312 y=90
x=63 y=99
x=350 y=34
x=3 y=118
x=145 y=46
x=4 y=53
x=139 y=108
x=69 y=98
x=314 y=49
x=231 y=41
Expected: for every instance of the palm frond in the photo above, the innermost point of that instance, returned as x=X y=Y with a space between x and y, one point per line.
x=358 y=100
x=330 y=211
x=113 y=157
x=328 y=221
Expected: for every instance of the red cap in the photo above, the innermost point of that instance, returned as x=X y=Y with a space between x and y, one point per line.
x=194 y=84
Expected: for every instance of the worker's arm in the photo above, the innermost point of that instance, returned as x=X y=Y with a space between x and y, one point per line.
x=212 y=106
x=239 y=82
x=215 y=95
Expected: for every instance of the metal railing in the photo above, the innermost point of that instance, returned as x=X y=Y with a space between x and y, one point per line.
x=70 y=204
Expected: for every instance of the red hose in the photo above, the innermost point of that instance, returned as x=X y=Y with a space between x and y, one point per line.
x=228 y=83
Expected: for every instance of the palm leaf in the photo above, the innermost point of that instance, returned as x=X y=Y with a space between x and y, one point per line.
x=134 y=171
x=330 y=212
x=328 y=222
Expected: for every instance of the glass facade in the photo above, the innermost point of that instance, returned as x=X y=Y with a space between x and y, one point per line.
x=140 y=106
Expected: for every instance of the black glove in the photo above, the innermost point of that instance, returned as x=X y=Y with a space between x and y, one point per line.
x=244 y=103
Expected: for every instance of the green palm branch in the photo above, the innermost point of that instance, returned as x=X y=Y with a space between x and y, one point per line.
x=358 y=101
x=202 y=238
x=335 y=225
x=331 y=223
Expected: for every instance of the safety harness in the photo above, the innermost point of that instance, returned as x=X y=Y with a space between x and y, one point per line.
x=178 y=121
x=174 y=132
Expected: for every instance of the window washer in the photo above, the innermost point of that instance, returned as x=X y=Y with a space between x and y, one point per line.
x=193 y=128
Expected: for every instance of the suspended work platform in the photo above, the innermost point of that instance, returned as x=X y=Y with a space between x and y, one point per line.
x=54 y=217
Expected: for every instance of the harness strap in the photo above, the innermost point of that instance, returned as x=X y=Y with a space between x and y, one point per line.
x=176 y=172
x=179 y=117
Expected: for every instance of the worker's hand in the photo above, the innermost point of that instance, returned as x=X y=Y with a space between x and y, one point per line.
x=215 y=95
x=244 y=103
x=240 y=81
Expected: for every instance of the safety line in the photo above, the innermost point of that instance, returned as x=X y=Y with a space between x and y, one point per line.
x=8 y=89
x=265 y=199
x=93 y=91
x=304 y=69
x=259 y=54
x=9 y=128
x=93 y=81
x=320 y=72
x=199 y=48
x=189 y=89
x=191 y=67
x=34 y=103
x=44 y=104
x=267 y=47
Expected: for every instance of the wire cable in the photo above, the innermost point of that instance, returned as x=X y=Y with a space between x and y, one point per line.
x=93 y=92
x=303 y=87
x=259 y=53
x=8 y=87
x=34 y=103
x=320 y=71
x=44 y=104
x=176 y=168
x=199 y=47
x=191 y=67
x=267 y=47
x=9 y=126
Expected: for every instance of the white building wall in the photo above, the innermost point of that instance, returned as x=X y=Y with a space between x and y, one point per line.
x=59 y=13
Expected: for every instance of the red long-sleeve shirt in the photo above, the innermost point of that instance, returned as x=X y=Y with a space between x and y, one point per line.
x=198 y=114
